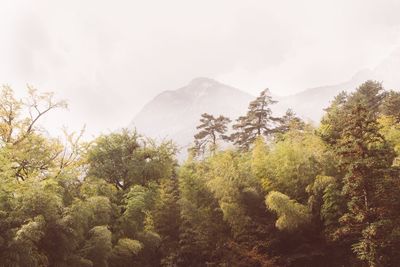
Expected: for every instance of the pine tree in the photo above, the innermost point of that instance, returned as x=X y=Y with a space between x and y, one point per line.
x=391 y=105
x=211 y=129
x=365 y=159
x=288 y=122
x=257 y=122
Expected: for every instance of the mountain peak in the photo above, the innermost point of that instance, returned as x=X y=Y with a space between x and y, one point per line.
x=201 y=81
x=203 y=87
x=175 y=114
x=363 y=75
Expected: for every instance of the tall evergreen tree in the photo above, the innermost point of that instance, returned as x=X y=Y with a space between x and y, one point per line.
x=391 y=105
x=211 y=129
x=289 y=121
x=257 y=122
x=368 y=185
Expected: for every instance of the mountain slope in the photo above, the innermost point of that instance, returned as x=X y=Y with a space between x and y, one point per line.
x=310 y=103
x=175 y=114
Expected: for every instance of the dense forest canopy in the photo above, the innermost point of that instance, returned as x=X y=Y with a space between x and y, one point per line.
x=283 y=193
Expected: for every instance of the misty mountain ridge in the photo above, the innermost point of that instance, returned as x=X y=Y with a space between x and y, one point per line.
x=310 y=103
x=174 y=114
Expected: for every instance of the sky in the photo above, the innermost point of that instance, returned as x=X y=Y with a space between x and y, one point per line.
x=109 y=58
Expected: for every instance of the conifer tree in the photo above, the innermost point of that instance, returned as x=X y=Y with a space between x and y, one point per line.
x=211 y=129
x=391 y=105
x=368 y=185
x=257 y=122
x=290 y=121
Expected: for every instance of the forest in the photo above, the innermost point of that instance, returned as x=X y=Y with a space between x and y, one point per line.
x=259 y=190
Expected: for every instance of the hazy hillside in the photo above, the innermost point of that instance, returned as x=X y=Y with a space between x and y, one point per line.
x=175 y=114
x=310 y=103
x=388 y=71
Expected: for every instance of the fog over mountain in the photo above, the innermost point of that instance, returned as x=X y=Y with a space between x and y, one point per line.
x=310 y=104
x=109 y=59
x=174 y=114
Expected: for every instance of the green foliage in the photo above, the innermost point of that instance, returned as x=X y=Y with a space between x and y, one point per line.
x=390 y=129
x=294 y=162
x=366 y=159
x=125 y=252
x=226 y=180
x=98 y=246
x=288 y=122
x=325 y=200
x=211 y=129
x=137 y=203
x=288 y=195
x=391 y=105
x=259 y=160
x=125 y=159
x=257 y=122
x=202 y=229
x=167 y=220
x=291 y=214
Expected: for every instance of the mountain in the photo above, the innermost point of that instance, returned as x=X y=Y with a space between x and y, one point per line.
x=310 y=103
x=175 y=114
x=388 y=71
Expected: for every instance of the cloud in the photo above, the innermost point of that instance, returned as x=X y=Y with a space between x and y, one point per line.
x=110 y=58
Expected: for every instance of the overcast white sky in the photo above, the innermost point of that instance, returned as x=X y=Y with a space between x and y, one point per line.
x=108 y=58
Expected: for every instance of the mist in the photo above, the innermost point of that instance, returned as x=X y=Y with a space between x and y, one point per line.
x=109 y=59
